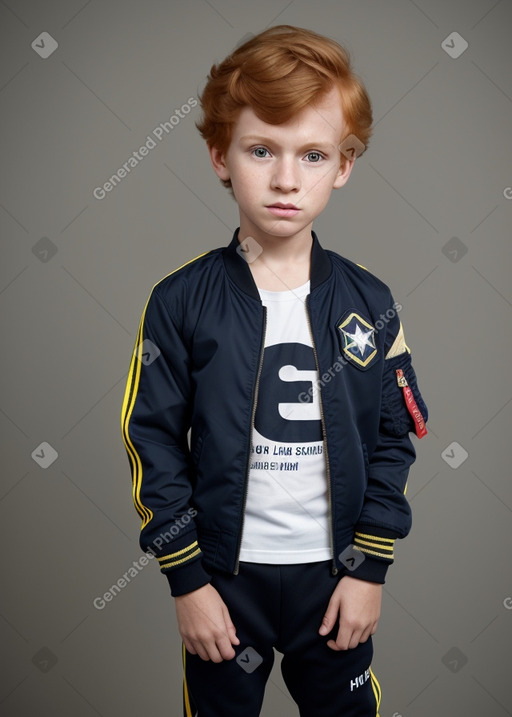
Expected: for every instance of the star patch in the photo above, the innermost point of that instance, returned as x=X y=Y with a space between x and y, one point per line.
x=358 y=340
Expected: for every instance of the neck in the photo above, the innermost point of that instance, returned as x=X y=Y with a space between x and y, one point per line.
x=280 y=250
x=284 y=263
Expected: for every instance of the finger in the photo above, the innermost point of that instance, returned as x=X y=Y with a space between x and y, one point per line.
x=333 y=646
x=337 y=645
x=343 y=638
x=329 y=618
x=366 y=634
x=189 y=647
x=355 y=640
x=212 y=651
x=206 y=649
x=230 y=628
x=232 y=635
x=200 y=650
x=225 y=648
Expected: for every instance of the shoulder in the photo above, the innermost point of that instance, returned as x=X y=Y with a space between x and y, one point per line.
x=188 y=274
x=359 y=276
x=181 y=288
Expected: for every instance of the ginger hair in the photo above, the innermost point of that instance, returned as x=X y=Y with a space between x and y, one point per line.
x=277 y=73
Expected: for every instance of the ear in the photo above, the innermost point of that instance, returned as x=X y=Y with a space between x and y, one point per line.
x=218 y=163
x=343 y=174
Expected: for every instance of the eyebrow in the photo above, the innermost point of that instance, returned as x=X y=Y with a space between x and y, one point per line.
x=266 y=140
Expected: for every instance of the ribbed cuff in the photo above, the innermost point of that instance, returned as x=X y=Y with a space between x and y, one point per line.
x=374 y=545
x=187 y=578
x=371 y=569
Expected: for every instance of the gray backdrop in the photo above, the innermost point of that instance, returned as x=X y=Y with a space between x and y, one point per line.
x=428 y=208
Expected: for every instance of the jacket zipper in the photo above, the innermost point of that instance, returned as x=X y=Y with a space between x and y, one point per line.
x=254 y=403
x=334 y=569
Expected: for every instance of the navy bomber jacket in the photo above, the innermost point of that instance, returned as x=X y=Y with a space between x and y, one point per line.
x=191 y=396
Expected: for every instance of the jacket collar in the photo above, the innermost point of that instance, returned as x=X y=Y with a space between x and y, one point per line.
x=239 y=271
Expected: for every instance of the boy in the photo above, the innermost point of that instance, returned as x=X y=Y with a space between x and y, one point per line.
x=275 y=526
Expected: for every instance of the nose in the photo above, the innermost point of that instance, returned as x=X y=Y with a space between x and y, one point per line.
x=286 y=175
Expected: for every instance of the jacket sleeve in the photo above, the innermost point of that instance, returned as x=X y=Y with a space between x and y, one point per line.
x=386 y=514
x=155 y=421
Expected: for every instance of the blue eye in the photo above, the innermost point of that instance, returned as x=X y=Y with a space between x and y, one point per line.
x=260 y=149
x=262 y=153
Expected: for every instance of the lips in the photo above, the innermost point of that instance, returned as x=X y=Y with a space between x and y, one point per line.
x=284 y=211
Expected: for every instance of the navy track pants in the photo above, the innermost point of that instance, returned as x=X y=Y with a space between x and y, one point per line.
x=281 y=607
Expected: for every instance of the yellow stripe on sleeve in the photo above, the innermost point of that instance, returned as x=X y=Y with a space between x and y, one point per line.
x=374 y=537
x=128 y=403
x=130 y=396
x=383 y=547
x=359 y=542
x=183 y=560
x=178 y=552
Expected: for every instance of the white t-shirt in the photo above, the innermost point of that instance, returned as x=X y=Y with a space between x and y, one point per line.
x=286 y=514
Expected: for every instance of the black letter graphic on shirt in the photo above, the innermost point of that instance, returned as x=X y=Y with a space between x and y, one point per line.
x=276 y=389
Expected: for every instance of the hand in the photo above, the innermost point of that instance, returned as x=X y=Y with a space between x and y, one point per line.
x=205 y=625
x=357 y=602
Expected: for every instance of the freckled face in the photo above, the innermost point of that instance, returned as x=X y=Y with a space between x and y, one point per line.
x=295 y=164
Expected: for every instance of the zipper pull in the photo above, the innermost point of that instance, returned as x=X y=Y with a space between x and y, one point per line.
x=400 y=378
x=412 y=406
